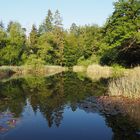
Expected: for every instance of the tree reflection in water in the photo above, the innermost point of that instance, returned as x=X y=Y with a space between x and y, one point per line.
x=52 y=94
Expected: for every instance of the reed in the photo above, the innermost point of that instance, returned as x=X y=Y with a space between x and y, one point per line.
x=79 y=68
x=29 y=69
x=96 y=71
x=127 y=86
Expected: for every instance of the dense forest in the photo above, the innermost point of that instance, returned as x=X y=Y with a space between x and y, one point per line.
x=116 y=42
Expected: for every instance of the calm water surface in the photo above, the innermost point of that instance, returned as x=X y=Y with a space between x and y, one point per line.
x=66 y=106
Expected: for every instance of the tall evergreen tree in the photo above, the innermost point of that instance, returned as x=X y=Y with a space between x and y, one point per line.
x=33 y=40
x=47 y=25
x=74 y=29
x=59 y=38
x=9 y=26
x=57 y=19
x=49 y=21
x=1 y=25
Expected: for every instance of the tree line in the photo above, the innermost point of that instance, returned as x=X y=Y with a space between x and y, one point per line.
x=116 y=42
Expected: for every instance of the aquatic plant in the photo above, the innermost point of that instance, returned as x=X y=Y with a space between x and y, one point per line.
x=127 y=86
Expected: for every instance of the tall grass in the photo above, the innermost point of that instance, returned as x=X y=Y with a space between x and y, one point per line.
x=79 y=68
x=29 y=69
x=127 y=86
x=96 y=71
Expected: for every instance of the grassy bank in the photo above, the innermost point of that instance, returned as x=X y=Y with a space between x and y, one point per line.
x=96 y=71
x=127 y=85
x=28 y=69
x=123 y=82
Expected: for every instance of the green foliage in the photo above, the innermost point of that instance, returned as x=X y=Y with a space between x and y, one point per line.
x=12 y=44
x=117 y=42
x=33 y=40
x=50 y=44
x=3 y=38
x=71 y=50
x=82 y=43
x=47 y=25
x=35 y=62
x=93 y=59
x=118 y=71
x=119 y=33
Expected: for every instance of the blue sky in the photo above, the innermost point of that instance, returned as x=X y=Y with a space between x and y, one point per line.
x=81 y=12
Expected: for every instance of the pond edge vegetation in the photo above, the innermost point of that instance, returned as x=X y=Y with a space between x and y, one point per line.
x=112 y=50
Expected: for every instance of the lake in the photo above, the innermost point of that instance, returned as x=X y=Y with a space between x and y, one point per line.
x=65 y=106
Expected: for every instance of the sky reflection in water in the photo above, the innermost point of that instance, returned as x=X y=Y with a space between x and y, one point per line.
x=59 y=107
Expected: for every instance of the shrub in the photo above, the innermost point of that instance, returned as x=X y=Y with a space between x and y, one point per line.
x=35 y=62
x=93 y=59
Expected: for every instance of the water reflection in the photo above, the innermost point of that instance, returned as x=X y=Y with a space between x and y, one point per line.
x=51 y=96
x=122 y=115
x=7 y=121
